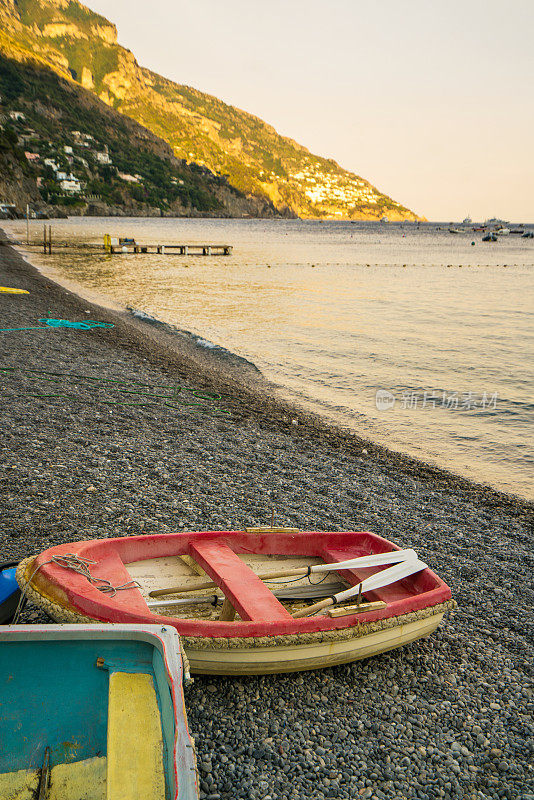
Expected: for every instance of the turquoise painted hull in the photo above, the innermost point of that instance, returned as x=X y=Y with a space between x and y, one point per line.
x=55 y=684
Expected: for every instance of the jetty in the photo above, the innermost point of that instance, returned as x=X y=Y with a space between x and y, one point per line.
x=172 y=249
x=125 y=246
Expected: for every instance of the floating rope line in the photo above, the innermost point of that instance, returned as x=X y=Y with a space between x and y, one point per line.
x=81 y=566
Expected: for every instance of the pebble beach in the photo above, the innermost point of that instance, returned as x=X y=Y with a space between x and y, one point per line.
x=128 y=429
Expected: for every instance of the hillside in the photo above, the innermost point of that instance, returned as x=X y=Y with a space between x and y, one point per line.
x=60 y=147
x=81 y=45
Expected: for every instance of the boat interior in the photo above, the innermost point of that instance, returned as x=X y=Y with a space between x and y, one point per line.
x=158 y=573
x=71 y=718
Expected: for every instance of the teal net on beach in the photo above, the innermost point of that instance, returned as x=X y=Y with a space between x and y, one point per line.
x=87 y=325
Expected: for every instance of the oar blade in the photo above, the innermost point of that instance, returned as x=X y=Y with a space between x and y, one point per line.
x=375 y=560
x=383 y=578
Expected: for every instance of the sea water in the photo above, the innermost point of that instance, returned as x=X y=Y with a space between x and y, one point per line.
x=405 y=333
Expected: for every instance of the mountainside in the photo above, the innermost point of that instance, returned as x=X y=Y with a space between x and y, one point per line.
x=81 y=45
x=63 y=150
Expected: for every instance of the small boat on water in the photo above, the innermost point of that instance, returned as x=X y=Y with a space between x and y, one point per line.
x=490 y=237
x=93 y=712
x=239 y=599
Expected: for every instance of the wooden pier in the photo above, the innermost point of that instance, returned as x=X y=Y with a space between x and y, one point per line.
x=117 y=246
x=172 y=249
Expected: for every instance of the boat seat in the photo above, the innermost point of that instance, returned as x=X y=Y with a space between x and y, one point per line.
x=242 y=587
x=19 y=785
x=135 y=743
x=77 y=780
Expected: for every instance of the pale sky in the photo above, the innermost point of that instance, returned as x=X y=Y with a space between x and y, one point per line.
x=432 y=101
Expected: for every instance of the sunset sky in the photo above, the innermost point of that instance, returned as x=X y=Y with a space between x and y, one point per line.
x=430 y=100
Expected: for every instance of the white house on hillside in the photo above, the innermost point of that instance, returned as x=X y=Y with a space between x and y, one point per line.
x=71 y=185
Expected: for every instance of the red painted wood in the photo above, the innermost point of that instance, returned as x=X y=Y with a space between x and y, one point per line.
x=247 y=593
x=71 y=588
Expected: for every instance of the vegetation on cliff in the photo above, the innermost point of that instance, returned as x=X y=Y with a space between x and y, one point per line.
x=55 y=134
x=82 y=46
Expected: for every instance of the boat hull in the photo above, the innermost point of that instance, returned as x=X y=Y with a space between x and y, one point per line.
x=302 y=657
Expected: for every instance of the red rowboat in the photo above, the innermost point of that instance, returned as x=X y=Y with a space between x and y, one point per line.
x=265 y=625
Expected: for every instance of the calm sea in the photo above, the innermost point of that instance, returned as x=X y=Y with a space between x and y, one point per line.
x=337 y=312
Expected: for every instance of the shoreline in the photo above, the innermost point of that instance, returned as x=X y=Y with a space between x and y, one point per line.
x=219 y=369
x=446 y=717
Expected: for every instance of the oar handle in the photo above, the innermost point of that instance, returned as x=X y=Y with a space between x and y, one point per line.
x=181 y=589
x=286 y=573
x=305 y=612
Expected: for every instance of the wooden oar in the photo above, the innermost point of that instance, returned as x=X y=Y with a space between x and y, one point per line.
x=378 y=559
x=377 y=581
x=305 y=592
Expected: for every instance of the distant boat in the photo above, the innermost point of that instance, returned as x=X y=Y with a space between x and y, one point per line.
x=518 y=231
x=384 y=219
x=467 y=221
x=496 y=221
x=458 y=230
x=503 y=231
x=489 y=237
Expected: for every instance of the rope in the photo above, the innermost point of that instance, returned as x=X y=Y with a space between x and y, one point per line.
x=82 y=326
x=283 y=581
x=174 y=390
x=81 y=566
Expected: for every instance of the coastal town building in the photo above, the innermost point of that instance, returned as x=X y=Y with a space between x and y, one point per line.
x=103 y=158
x=125 y=176
x=71 y=185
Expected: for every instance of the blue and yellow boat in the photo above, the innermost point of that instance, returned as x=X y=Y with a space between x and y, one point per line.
x=93 y=712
